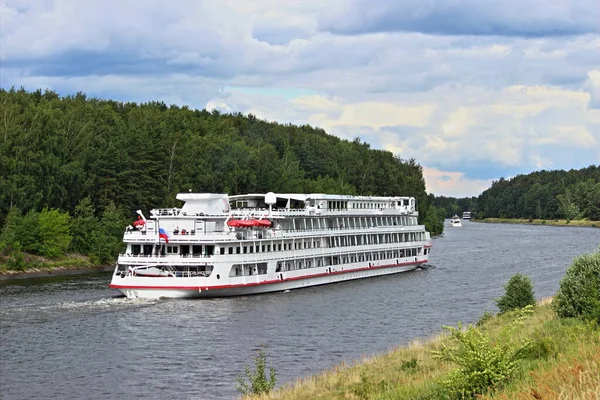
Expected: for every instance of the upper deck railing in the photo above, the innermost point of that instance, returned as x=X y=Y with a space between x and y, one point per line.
x=282 y=213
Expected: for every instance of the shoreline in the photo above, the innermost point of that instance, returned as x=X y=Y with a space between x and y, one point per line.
x=54 y=271
x=547 y=222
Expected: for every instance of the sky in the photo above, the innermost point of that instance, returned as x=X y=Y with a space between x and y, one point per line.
x=473 y=90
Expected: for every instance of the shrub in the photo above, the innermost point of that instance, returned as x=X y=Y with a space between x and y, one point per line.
x=54 y=232
x=410 y=365
x=487 y=315
x=257 y=380
x=483 y=364
x=518 y=294
x=578 y=295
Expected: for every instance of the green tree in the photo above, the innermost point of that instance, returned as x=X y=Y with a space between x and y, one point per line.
x=107 y=240
x=54 y=232
x=83 y=226
x=579 y=293
x=9 y=237
x=518 y=294
x=29 y=233
x=434 y=221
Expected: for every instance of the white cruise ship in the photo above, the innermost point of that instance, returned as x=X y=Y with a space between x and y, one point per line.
x=218 y=245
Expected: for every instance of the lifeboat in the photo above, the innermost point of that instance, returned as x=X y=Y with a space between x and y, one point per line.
x=140 y=223
x=248 y=223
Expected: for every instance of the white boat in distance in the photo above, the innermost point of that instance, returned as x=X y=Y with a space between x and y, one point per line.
x=218 y=245
x=455 y=221
x=466 y=215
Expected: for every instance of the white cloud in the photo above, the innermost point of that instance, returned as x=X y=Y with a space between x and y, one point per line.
x=453 y=184
x=477 y=104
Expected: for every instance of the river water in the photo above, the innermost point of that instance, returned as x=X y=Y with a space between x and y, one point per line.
x=72 y=337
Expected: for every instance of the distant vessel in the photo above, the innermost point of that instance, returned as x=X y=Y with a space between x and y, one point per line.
x=466 y=215
x=218 y=245
x=455 y=221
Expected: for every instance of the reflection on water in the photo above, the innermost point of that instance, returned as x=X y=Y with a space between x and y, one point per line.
x=73 y=337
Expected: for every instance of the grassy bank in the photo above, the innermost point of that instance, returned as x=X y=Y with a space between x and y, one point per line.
x=31 y=266
x=563 y=362
x=552 y=222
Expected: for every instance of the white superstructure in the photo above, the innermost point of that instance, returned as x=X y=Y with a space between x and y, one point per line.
x=219 y=245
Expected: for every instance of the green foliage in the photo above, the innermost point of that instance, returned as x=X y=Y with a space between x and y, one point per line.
x=83 y=227
x=434 y=221
x=54 y=232
x=409 y=365
x=518 y=294
x=484 y=364
x=9 y=236
x=257 y=381
x=28 y=233
x=15 y=262
x=107 y=239
x=487 y=315
x=573 y=194
x=578 y=295
x=366 y=387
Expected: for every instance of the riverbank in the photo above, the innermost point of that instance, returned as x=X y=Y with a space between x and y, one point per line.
x=37 y=267
x=563 y=362
x=551 y=222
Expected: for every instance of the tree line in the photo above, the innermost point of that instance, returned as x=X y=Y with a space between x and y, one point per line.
x=64 y=154
x=573 y=194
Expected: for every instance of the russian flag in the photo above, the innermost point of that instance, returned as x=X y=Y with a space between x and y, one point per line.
x=162 y=234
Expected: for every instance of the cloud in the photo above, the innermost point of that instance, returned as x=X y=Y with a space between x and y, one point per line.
x=525 y=18
x=482 y=132
x=483 y=89
x=453 y=184
x=593 y=87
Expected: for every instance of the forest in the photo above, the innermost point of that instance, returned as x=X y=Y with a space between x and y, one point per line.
x=74 y=169
x=548 y=195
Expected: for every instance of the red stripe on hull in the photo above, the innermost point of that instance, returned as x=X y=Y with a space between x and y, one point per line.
x=417 y=263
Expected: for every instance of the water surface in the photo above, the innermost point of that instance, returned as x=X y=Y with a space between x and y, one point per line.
x=73 y=337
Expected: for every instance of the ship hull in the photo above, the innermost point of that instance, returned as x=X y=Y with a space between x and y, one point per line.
x=153 y=288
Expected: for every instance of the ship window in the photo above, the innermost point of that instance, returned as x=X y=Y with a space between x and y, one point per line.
x=251 y=249
x=230 y=250
x=136 y=249
x=268 y=247
x=172 y=249
x=222 y=250
x=245 y=249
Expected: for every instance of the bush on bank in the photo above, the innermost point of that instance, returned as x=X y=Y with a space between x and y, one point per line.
x=579 y=292
x=518 y=294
